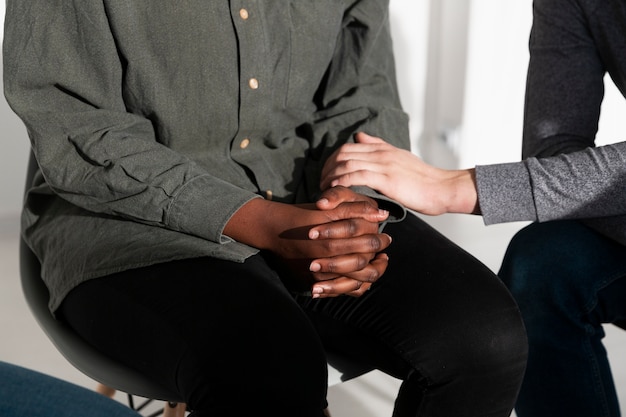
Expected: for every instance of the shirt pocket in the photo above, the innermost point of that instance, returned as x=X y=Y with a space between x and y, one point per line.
x=315 y=26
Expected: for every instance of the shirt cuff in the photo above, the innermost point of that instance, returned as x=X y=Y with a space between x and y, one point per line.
x=505 y=193
x=204 y=206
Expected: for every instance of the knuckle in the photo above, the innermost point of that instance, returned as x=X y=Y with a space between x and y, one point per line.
x=352 y=227
x=368 y=206
x=331 y=193
x=361 y=263
x=350 y=164
x=375 y=243
x=326 y=232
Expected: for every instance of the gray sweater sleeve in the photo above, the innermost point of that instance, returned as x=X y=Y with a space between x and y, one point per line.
x=588 y=184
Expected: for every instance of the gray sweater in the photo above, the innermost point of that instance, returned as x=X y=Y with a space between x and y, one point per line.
x=573 y=44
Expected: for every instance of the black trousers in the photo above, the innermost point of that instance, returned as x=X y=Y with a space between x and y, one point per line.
x=235 y=342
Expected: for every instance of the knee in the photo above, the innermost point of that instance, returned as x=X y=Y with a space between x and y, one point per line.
x=495 y=345
x=538 y=251
x=488 y=348
x=540 y=266
x=529 y=252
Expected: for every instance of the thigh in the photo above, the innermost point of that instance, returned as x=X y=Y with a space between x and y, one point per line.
x=224 y=334
x=566 y=268
x=437 y=312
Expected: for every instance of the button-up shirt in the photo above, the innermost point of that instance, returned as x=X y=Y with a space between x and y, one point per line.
x=153 y=122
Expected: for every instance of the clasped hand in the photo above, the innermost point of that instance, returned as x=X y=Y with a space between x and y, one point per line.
x=332 y=247
x=352 y=235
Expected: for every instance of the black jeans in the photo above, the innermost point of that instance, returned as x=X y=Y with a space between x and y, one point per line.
x=235 y=342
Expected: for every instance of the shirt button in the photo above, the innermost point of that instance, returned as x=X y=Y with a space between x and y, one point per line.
x=244 y=143
x=269 y=194
x=253 y=83
x=243 y=13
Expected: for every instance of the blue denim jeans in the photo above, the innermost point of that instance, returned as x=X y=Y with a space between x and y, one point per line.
x=568 y=280
x=24 y=392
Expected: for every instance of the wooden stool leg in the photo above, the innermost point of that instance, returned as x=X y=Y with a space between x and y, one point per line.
x=104 y=390
x=174 y=410
x=169 y=410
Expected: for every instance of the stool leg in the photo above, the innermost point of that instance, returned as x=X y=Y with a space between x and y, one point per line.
x=174 y=410
x=104 y=390
x=169 y=410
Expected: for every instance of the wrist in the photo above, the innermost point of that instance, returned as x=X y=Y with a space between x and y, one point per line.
x=463 y=192
x=250 y=224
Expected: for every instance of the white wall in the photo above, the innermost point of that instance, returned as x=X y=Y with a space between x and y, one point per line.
x=495 y=80
x=14 y=154
x=409 y=24
x=612 y=126
x=13 y=159
x=445 y=79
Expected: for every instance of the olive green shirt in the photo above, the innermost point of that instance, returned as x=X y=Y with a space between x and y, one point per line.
x=154 y=121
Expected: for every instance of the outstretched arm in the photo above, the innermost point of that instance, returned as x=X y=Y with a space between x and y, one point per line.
x=402 y=176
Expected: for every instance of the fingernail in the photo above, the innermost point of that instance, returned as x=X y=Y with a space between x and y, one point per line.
x=317 y=290
x=314 y=267
x=323 y=201
x=314 y=234
x=383 y=213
